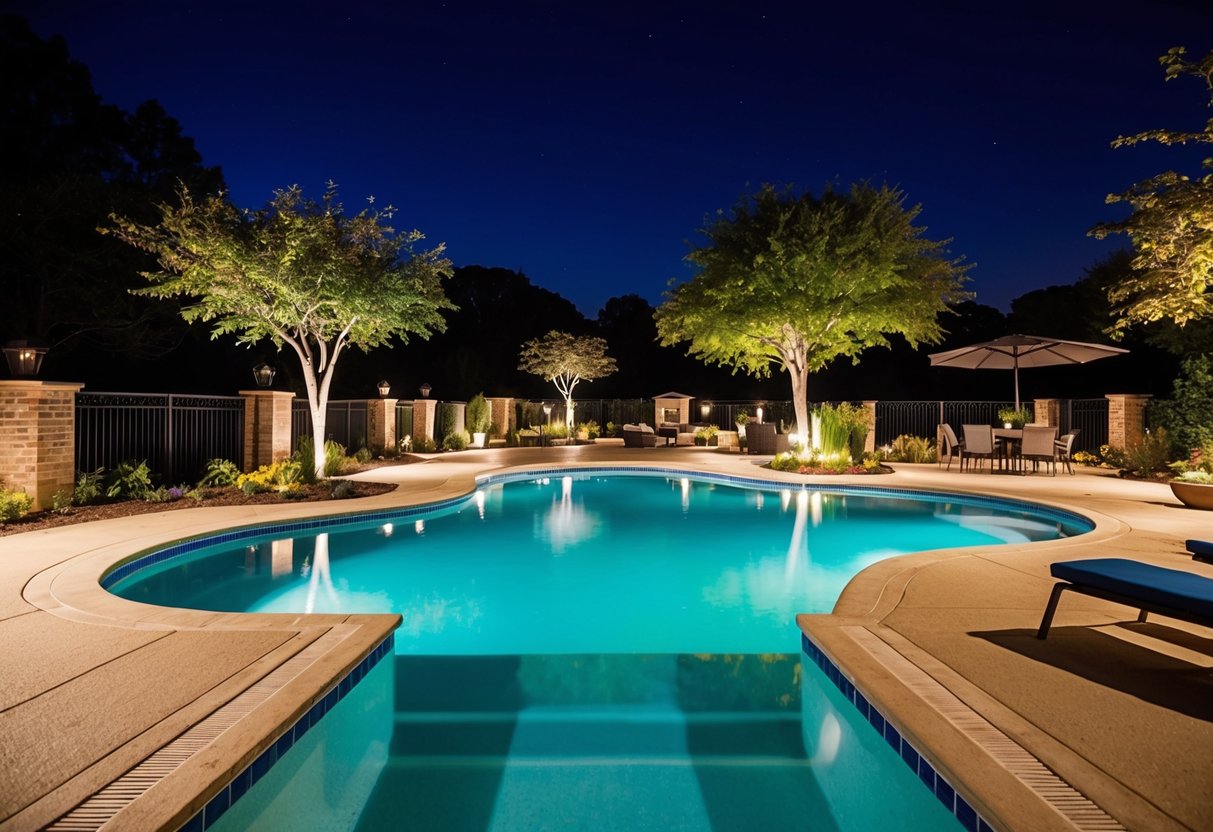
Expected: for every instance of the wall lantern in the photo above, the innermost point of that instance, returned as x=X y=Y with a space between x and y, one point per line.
x=384 y=389
x=425 y=391
x=24 y=357
x=705 y=410
x=263 y=374
x=758 y=412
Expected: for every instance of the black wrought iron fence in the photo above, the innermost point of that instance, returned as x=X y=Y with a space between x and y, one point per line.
x=1090 y=418
x=602 y=411
x=404 y=419
x=175 y=433
x=346 y=422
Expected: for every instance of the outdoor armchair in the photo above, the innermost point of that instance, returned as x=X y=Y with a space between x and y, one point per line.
x=1065 y=450
x=952 y=447
x=1039 y=445
x=978 y=443
x=762 y=438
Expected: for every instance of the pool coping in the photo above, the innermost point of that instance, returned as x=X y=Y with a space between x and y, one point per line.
x=61 y=590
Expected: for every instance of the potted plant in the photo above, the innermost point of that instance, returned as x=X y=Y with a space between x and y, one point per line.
x=1193 y=483
x=706 y=436
x=743 y=419
x=478 y=419
x=1014 y=419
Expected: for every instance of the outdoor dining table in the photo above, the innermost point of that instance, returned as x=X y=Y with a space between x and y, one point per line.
x=1008 y=439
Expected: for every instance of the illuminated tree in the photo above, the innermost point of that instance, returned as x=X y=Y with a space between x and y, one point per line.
x=299 y=272
x=795 y=282
x=566 y=360
x=1171 y=226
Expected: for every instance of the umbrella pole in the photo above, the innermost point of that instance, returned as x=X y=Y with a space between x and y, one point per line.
x=1016 y=379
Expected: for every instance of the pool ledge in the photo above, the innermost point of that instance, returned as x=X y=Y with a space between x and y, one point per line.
x=129 y=678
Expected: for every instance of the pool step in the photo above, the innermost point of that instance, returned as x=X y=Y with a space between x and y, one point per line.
x=580 y=732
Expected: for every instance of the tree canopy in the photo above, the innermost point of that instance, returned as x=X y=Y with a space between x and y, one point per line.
x=797 y=281
x=1171 y=225
x=566 y=360
x=299 y=272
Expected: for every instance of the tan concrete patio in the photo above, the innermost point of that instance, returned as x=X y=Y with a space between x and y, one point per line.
x=942 y=642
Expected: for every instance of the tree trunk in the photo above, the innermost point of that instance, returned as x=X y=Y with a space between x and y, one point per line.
x=568 y=413
x=317 y=400
x=800 y=403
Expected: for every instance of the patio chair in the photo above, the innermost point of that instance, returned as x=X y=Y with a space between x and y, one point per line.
x=763 y=439
x=1065 y=450
x=1169 y=592
x=952 y=446
x=1039 y=445
x=639 y=436
x=978 y=444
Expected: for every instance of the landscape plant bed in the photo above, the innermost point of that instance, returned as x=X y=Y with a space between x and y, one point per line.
x=823 y=471
x=36 y=521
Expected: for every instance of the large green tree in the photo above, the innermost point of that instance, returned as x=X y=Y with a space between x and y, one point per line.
x=1171 y=226
x=299 y=272
x=566 y=360
x=796 y=281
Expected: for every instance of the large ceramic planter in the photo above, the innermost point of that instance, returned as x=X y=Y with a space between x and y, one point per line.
x=1193 y=494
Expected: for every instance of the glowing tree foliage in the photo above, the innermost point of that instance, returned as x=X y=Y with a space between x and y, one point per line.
x=1171 y=226
x=795 y=282
x=566 y=360
x=299 y=272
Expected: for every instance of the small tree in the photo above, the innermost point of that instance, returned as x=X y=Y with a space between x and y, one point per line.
x=566 y=360
x=795 y=282
x=1171 y=226
x=477 y=414
x=299 y=272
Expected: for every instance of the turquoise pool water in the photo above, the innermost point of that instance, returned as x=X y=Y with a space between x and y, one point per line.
x=587 y=652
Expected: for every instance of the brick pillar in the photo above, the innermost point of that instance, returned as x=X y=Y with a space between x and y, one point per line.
x=425 y=414
x=1126 y=418
x=869 y=443
x=38 y=438
x=381 y=424
x=501 y=414
x=267 y=426
x=1047 y=412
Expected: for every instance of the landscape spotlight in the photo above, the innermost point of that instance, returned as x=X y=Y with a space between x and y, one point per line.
x=24 y=357
x=263 y=374
x=384 y=388
x=425 y=390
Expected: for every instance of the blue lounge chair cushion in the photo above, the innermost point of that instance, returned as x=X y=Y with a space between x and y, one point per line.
x=1200 y=548
x=1151 y=584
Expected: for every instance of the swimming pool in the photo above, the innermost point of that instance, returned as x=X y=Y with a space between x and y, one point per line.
x=583 y=651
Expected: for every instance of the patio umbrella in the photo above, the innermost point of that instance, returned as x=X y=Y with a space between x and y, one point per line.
x=1014 y=351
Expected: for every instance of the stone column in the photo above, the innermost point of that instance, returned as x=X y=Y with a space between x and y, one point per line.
x=425 y=414
x=38 y=438
x=1126 y=418
x=267 y=426
x=1047 y=412
x=869 y=442
x=381 y=425
x=501 y=414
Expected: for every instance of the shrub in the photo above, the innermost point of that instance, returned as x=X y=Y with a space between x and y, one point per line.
x=341 y=489
x=219 y=473
x=477 y=414
x=61 y=502
x=334 y=458
x=1188 y=414
x=283 y=475
x=89 y=487
x=445 y=421
x=423 y=445
x=591 y=429
x=557 y=430
x=167 y=495
x=14 y=504
x=362 y=455
x=305 y=455
x=906 y=448
x=833 y=427
x=129 y=481
x=1149 y=456
x=1203 y=477
x=457 y=441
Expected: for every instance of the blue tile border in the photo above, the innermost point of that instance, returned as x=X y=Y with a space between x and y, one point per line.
x=152 y=557
x=254 y=771
x=935 y=782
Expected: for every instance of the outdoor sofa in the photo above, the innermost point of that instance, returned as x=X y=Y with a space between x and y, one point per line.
x=639 y=436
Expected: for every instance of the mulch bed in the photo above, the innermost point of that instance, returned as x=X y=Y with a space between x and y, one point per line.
x=212 y=497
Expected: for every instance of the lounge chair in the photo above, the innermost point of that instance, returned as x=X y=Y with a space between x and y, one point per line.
x=1039 y=444
x=764 y=439
x=1168 y=592
x=952 y=447
x=639 y=436
x=1201 y=550
x=979 y=444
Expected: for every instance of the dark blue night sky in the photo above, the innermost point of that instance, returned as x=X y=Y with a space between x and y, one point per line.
x=584 y=144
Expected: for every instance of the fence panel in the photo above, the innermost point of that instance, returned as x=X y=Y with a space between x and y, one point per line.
x=345 y=422
x=176 y=434
x=1090 y=418
x=404 y=419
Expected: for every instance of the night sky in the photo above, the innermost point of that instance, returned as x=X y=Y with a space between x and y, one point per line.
x=584 y=144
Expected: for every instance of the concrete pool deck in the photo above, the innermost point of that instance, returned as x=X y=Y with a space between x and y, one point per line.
x=1116 y=711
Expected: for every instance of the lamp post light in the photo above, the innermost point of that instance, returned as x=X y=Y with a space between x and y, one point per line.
x=758 y=413
x=547 y=413
x=384 y=389
x=425 y=390
x=263 y=374
x=24 y=357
